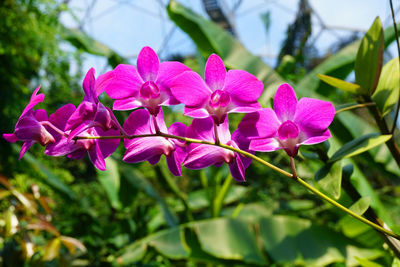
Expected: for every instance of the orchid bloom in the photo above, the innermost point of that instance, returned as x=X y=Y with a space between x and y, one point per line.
x=202 y=155
x=98 y=149
x=219 y=93
x=151 y=149
x=30 y=126
x=291 y=124
x=90 y=113
x=147 y=86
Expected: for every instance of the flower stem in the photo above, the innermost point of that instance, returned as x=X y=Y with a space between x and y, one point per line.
x=293 y=166
x=267 y=164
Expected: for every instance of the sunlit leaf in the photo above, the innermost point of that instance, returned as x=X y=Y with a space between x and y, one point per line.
x=329 y=177
x=368 y=63
x=387 y=91
x=361 y=205
x=171 y=244
x=72 y=244
x=360 y=145
x=342 y=85
x=52 y=249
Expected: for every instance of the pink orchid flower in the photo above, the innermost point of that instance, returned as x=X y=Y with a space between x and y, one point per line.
x=151 y=149
x=147 y=86
x=219 y=93
x=293 y=123
x=98 y=149
x=202 y=155
x=90 y=113
x=30 y=126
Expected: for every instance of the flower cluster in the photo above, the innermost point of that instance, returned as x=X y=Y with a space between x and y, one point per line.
x=91 y=127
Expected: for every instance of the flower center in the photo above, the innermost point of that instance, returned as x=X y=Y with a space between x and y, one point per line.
x=288 y=134
x=87 y=143
x=149 y=90
x=287 y=130
x=219 y=98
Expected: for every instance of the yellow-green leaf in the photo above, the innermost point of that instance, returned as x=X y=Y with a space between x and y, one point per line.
x=52 y=249
x=360 y=145
x=342 y=85
x=369 y=57
x=387 y=91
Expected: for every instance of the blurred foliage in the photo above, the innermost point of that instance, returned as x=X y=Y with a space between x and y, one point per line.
x=60 y=212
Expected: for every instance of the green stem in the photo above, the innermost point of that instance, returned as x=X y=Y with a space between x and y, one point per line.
x=355 y=107
x=267 y=164
x=398 y=50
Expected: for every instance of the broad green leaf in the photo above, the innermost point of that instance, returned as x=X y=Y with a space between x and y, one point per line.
x=368 y=63
x=210 y=38
x=387 y=91
x=51 y=179
x=367 y=263
x=137 y=180
x=342 y=85
x=229 y=239
x=171 y=243
x=133 y=253
x=361 y=205
x=110 y=180
x=359 y=145
x=221 y=195
x=329 y=177
x=300 y=242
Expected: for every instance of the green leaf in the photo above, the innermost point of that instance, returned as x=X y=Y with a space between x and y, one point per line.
x=360 y=145
x=229 y=239
x=368 y=63
x=137 y=180
x=329 y=177
x=210 y=38
x=110 y=180
x=300 y=242
x=171 y=243
x=361 y=205
x=51 y=179
x=342 y=85
x=52 y=249
x=367 y=263
x=387 y=91
x=133 y=253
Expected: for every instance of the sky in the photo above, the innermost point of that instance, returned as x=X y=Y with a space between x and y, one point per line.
x=128 y=25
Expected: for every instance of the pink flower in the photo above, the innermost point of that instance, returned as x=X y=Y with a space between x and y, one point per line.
x=98 y=149
x=151 y=149
x=147 y=86
x=221 y=93
x=30 y=126
x=90 y=113
x=293 y=123
x=202 y=155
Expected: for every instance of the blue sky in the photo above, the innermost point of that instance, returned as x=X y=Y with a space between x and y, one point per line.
x=128 y=25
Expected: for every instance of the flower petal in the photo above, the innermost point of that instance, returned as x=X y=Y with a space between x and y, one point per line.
x=159 y=119
x=243 y=86
x=285 y=102
x=215 y=72
x=61 y=116
x=237 y=169
x=89 y=86
x=148 y=64
x=25 y=147
x=202 y=129
x=199 y=113
x=85 y=111
x=97 y=158
x=190 y=89
x=174 y=164
x=263 y=123
x=138 y=122
x=313 y=115
x=61 y=147
x=242 y=107
x=141 y=149
x=264 y=145
x=77 y=154
x=317 y=139
x=122 y=82
x=224 y=134
x=127 y=104
x=10 y=138
x=35 y=99
x=203 y=156
x=108 y=146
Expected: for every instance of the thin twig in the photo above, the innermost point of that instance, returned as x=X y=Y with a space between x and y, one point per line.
x=355 y=107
